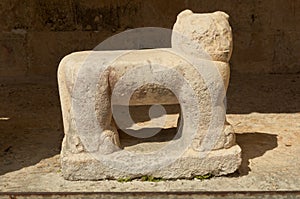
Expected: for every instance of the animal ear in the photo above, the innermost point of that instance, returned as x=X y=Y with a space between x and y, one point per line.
x=223 y=14
x=184 y=13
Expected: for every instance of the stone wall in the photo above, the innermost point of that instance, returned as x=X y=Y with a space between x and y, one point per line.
x=36 y=34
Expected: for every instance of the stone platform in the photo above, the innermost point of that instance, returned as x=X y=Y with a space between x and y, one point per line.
x=84 y=166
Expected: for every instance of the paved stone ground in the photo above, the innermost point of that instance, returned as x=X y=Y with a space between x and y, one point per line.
x=264 y=110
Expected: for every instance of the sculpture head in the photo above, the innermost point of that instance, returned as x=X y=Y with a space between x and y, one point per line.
x=198 y=33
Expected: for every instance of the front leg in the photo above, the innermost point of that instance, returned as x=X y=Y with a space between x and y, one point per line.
x=109 y=141
x=227 y=137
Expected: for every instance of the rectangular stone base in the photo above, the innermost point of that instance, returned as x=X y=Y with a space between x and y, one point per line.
x=84 y=166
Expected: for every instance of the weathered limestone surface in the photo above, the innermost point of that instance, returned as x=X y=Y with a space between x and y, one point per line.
x=193 y=73
x=211 y=31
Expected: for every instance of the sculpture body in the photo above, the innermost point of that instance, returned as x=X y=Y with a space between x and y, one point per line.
x=190 y=73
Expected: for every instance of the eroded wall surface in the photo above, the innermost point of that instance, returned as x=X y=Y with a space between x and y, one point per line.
x=36 y=34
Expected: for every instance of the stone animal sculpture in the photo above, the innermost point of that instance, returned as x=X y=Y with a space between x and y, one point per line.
x=205 y=37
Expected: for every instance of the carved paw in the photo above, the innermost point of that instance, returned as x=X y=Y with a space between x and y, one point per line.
x=110 y=142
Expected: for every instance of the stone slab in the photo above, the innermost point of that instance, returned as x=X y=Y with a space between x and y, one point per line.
x=84 y=166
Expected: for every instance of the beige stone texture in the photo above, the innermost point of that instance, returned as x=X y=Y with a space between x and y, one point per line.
x=210 y=33
x=156 y=76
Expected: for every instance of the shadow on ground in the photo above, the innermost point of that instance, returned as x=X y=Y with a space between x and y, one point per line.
x=254 y=145
x=158 y=136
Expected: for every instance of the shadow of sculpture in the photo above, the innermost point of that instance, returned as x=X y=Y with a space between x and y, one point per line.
x=140 y=113
x=162 y=136
x=254 y=145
